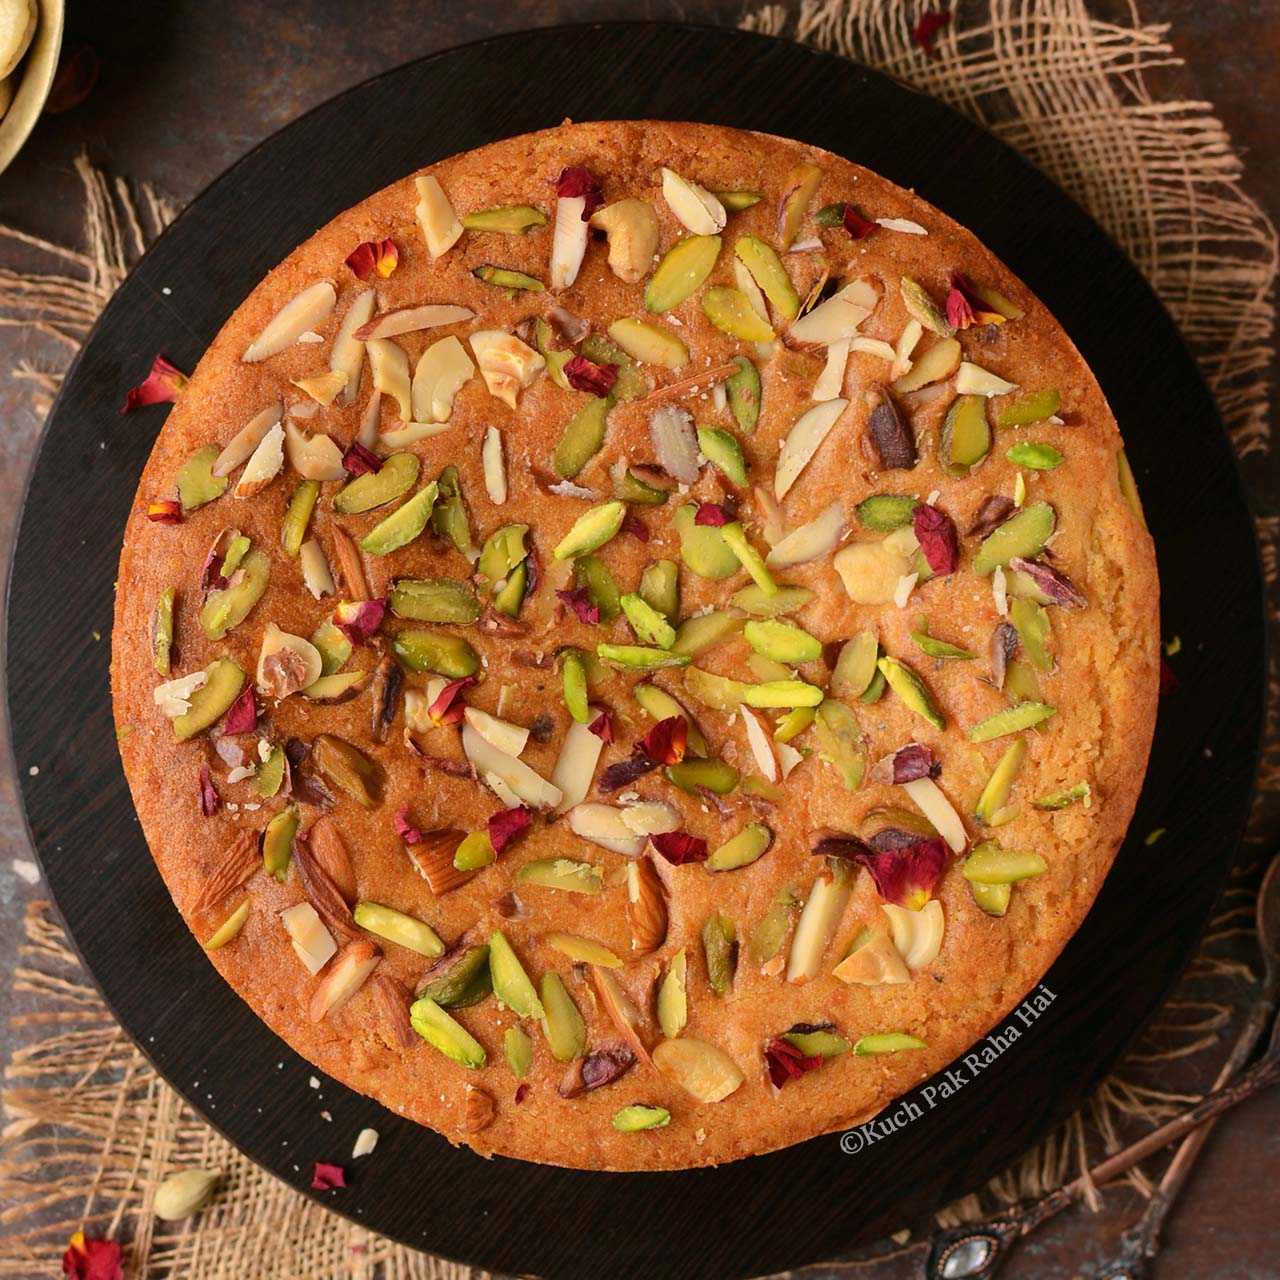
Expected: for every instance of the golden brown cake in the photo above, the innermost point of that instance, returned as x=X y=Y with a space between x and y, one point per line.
x=637 y=645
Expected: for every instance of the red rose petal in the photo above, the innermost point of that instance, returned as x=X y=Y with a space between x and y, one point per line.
x=602 y=727
x=522 y=1092
x=580 y=602
x=937 y=537
x=243 y=714
x=1168 y=681
x=786 y=1063
x=359 y=619
x=666 y=742
x=624 y=772
x=679 y=847
x=327 y=1176
x=164 y=511
x=929 y=25
x=447 y=707
x=855 y=224
x=635 y=527
x=92 y=1258
x=359 y=461
x=210 y=800
x=163 y=385
x=374 y=257
x=712 y=514
x=907 y=764
x=585 y=375
x=506 y=825
x=907 y=876
x=580 y=181
x=404 y=828
x=965 y=307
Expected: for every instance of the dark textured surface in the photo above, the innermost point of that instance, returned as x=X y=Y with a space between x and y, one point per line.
x=224 y=79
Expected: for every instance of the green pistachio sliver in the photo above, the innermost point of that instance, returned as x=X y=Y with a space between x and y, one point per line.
x=511 y=984
x=1011 y=720
x=782 y=693
x=1031 y=621
x=449 y=517
x=912 y=690
x=465 y=982
x=720 y=951
x=237 y=549
x=752 y=561
x=1063 y=799
x=225 y=609
x=994 y=899
x=475 y=851
x=634 y=657
x=562 y=1022
x=885 y=512
x=683 y=269
x=449 y=656
x=920 y=306
x=721 y=447
x=208 y=704
x=397 y=475
x=504 y=549
x=438 y=600
x=692 y=775
x=793 y=724
x=270 y=776
x=990 y=864
x=1034 y=455
x=782 y=641
x=395 y=926
x=935 y=648
x=704 y=631
x=445 y=1033
x=505 y=278
x=402 y=526
x=650 y=627
x=518 y=1046
x=660 y=588
x=856 y=666
x=565 y=874
x=573 y=676
x=741 y=850
x=995 y=795
x=638 y=1117
x=334 y=648
x=593 y=575
x=293 y=529
x=511 y=219
x=703 y=547
x=743 y=391
x=820 y=1043
x=1033 y=407
x=841 y=742
x=583 y=438
x=197 y=484
x=786 y=598
x=737 y=201
x=769 y=934
x=162 y=632
x=887 y=1042
x=277 y=842
x=591 y=530
x=1021 y=536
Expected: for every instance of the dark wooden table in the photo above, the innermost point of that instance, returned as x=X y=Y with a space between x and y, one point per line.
x=188 y=86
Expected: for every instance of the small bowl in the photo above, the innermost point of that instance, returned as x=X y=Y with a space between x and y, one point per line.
x=35 y=78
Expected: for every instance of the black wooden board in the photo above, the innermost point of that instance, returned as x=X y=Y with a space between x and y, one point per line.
x=766 y=1213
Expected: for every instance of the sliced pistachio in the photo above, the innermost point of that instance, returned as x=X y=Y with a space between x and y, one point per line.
x=750 y=844
x=1034 y=455
x=704 y=631
x=771 y=932
x=634 y=657
x=856 y=666
x=650 y=627
x=562 y=1022
x=720 y=951
x=703 y=547
x=334 y=648
x=781 y=641
x=196 y=482
x=227 y=607
x=504 y=550
x=511 y=983
x=693 y=775
x=511 y=220
x=660 y=588
x=583 y=438
x=995 y=795
x=992 y=898
x=395 y=926
x=632 y=486
x=938 y=362
x=631 y=383
x=1021 y=682
x=887 y=511
x=449 y=516
x=722 y=448
x=769 y=273
x=229 y=930
x=912 y=690
x=1022 y=536
x=737 y=201
x=277 y=842
x=1024 y=715
x=990 y=864
x=519 y=1050
x=209 y=703
x=397 y=475
x=731 y=312
x=649 y=343
x=440 y=600
x=715 y=691
x=793 y=723
x=565 y=874
x=445 y=1033
x=683 y=269
x=932 y=647
x=270 y=776
x=800 y=187
x=786 y=599
x=402 y=526
x=888 y=1042
x=293 y=529
x=818 y=1043
x=735 y=536
x=1034 y=406
x=782 y=693
x=743 y=391
x=162 y=632
x=449 y=656
x=673 y=997
x=638 y=1117
x=920 y=306
x=573 y=675
x=348 y=769
x=593 y=575
x=841 y=742
x=464 y=980
x=474 y=851
x=591 y=530
x=506 y=278
x=1034 y=629
x=1065 y=798
x=966 y=437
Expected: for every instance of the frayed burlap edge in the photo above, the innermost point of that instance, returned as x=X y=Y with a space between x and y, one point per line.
x=91 y=1130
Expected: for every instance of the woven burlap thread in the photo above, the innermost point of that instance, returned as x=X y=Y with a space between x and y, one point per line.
x=91 y=1129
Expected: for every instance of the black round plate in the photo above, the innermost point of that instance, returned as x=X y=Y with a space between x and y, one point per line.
x=771 y=1212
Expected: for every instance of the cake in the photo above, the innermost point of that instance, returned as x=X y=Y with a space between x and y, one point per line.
x=636 y=646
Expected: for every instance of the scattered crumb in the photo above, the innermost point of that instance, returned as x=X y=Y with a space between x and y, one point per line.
x=1153 y=836
x=34 y=770
x=314 y=1082
x=26 y=870
x=366 y=1140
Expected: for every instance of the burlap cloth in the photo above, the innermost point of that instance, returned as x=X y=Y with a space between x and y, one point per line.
x=91 y=1130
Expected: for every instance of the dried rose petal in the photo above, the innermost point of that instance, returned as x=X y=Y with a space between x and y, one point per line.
x=163 y=385
x=1057 y=586
x=667 y=741
x=602 y=727
x=242 y=717
x=855 y=224
x=625 y=772
x=848 y=847
x=359 y=461
x=506 y=825
x=585 y=375
x=580 y=602
x=995 y=510
x=635 y=527
x=785 y=1062
x=1004 y=644
x=210 y=800
x=374 y=257
x=359 y=619
x=74 y=81
x=937 y=538
x=446 y=707
x=164 y=511
x=965 y=308
x=580 y=181
x=927 y=27
x=679 y=847
x=906 y=876
x=404 y=828
x=511 y=907
x=1168 y=681
x=713 y=515
x=522 y=1092
x=327 y=1176
x=92 y=1258
x=906 y=765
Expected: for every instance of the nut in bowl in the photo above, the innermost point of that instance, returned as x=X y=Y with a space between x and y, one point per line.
x=30 y=41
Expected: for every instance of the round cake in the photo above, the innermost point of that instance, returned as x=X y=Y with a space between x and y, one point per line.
x=637 y=645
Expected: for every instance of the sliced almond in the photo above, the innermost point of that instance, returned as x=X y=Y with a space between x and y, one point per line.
x=440 y=226
x=392 y=1000
x=322 y=387
x=506 y=364
x=370 y=421
x=875 y=963
x=530 y=787
x=312 y=455
x=495 y=466
x=568 y=241
x=303 y=313
x=344 y=977
x=316 y=574
x=505 y=736
x=238 y=862
x=802 y=443
x=761 y=743
x=939 y=810
x=621 y=1010
x=974 y=380
x=830 y=382
x=694 y=206
x=816 y=538
x=286 y=663
x=911 y=334
x=264 y=465
x=702 y=1070
x=390 y=366
x=651 y=818
x=432 y=857
x=576 y=764
x=347 y=353
x=312 y=942
x=837 y=318
x=402 y=434
x=818 y=920
x=391 y=324
x=872 y=347
x=603 y=824
x=330 y=852
x=441 y=372
x=246 y=440
x=788 y=758
x=646 y=907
